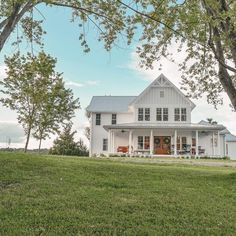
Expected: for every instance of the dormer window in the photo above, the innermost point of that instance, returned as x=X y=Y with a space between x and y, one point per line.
x=162 y=94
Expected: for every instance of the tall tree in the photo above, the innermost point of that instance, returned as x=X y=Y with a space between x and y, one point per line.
x=56 y=109
x=36 y=92
x=205 y=30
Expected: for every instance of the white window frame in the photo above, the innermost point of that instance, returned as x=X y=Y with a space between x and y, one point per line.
x=140 y=114
x=113 y=119
x=105 y=144
x=98 y=121
x=163 y=114
x=144 y=114
x=181 y=115
x=147 y=114
x=141 y=140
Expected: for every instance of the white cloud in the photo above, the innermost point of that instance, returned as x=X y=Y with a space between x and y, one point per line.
x=169 y=68
x=203 y=110
x=92 y=82
x=79 y=85
x=74 y=84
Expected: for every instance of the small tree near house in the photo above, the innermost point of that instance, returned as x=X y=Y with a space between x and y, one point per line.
x=66 y=145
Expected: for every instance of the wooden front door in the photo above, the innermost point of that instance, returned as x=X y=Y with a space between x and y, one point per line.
x=162 y=145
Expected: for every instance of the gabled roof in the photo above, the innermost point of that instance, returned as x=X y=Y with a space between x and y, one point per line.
x=163 y=81
x=110 y=103
x=225 y=131
x=230 y=138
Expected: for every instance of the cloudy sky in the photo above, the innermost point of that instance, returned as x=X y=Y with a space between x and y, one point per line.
x=97 y=73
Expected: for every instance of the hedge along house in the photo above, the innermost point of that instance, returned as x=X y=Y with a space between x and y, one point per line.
x=155 y=123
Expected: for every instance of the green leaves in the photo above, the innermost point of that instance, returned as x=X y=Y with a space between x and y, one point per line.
x=37 y=93
x=65 y=144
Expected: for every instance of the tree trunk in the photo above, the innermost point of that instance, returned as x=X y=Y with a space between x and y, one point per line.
x=227 y=84
x=10 y=23
x=40 y=142
x=27 y=139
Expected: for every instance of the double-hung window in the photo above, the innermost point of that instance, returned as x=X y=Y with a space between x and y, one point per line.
x=180 y=114
x=98 y=119
x=183 y=114
x=146 y=142
x=159 y=114
x=143 y=114
x=140 y=142
x=140 y=114
x=143 y=142
x=113 y=119
x=165 y=114
x=147 y=114
x=162 y=114
x=177 y=114
x=105 y=144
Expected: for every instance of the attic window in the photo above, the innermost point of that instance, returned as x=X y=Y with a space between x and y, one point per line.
x=162 y=94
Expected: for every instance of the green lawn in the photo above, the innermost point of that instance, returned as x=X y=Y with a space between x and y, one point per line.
x=43 y=195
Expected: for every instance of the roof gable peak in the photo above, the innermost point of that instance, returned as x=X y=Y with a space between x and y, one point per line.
x=162 y=82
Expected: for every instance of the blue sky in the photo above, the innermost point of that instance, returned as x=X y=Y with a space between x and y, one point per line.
x=99 y=72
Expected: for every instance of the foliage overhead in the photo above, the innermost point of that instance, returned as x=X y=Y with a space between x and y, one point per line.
x=204 y=30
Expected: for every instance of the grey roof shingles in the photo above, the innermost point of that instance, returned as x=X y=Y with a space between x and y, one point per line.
x=230 y=138
x=110 y=103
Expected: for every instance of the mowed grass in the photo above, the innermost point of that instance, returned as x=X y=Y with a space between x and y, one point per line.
x=44 y=195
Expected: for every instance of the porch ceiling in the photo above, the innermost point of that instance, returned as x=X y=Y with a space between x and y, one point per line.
x=165 y=126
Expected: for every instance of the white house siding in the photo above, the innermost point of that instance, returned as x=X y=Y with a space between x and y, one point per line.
x=126 y=109
x=172 y=99
x=205 y=141
x=98 y=133
x=231 y=150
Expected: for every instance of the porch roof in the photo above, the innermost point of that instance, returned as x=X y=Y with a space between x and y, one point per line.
x=140 y=125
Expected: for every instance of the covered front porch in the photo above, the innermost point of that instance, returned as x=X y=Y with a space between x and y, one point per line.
x=164 y=141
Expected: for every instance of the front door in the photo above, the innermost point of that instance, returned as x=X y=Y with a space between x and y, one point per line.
x=162 y=145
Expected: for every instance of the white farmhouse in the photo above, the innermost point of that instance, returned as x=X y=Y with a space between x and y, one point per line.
x=157 y=122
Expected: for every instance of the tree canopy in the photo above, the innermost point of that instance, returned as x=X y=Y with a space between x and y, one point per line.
x=36 y=92
x=204 y=31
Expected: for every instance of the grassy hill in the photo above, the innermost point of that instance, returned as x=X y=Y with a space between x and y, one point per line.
x=44 y=195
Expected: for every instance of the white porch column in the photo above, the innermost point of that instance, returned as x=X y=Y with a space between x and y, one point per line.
x=218 y=142
x=112 y=142
x=213 y=143
x=109 y=141
x=130 y=141
x=175 y=143
x=151 y=142
x=197 y=143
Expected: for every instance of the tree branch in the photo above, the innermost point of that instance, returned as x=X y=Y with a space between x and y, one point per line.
x=13 y=19
x=79 y=8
